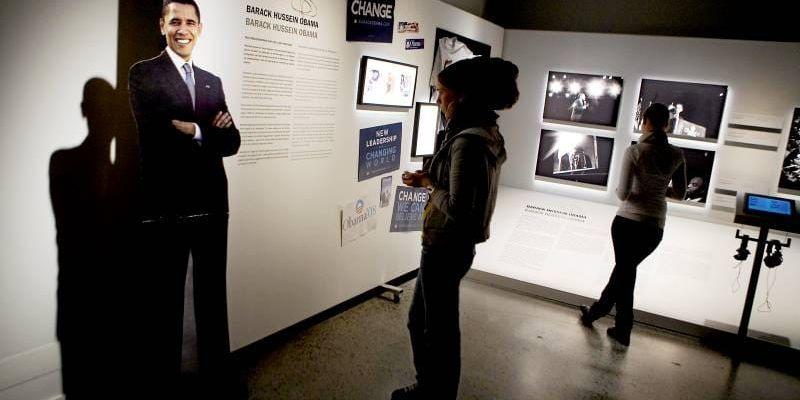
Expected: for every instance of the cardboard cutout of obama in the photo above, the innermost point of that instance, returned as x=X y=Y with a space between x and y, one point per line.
x=185 y=130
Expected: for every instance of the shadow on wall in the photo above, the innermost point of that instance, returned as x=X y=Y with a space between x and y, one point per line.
x=92 y=189
x=100 y=322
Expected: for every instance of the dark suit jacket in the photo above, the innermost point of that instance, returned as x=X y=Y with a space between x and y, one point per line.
x=180 y=176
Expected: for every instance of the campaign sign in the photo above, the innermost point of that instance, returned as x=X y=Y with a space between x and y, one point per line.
x=409 y=204
x=370 y=20
x=379 y=150
x=357 y=218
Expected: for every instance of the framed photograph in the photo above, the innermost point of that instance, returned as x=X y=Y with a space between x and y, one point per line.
x=789 y=181
x=699 y=164
x=448 y=48
x=426 y=126
x=386 y=83
x=695 y=108
x=582 y=98
x=575 y=157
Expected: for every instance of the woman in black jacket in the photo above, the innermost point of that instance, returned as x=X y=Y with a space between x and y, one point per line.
x=463 y=177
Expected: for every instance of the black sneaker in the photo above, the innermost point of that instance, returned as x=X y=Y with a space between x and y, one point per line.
x=586 y=319
x=623 y=338
x=410 y=392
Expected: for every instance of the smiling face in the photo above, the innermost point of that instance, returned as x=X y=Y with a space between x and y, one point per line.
x=181 y=26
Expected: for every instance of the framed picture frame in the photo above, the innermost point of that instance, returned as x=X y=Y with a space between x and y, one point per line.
x=789 y=181
x=449 y=48
x=426 y=127
x=695 y=109
x=699 y=168
x=386 y=83
x=574 y=158
x=582 y=99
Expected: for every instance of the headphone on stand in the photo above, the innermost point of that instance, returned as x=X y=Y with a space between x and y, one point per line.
x=742 y=253
x=774 y=256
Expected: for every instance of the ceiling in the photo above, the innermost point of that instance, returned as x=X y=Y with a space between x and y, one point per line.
x=770 y=21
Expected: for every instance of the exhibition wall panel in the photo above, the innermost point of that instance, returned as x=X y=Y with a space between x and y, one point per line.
x=760 y=77
x=691 y=277
x=564 y=243
x=293 y=94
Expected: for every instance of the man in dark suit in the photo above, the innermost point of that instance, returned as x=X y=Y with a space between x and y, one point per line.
x=185 y=130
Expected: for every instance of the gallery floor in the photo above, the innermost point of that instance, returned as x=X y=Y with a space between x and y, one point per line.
x=514 y=347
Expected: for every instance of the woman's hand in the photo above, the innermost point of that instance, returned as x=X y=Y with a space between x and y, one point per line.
x=416 y=179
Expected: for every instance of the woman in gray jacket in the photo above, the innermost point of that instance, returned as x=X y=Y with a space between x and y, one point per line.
x=462 y=176
x=652 y=170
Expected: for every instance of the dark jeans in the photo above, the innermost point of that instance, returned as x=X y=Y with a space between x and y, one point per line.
x=168 y=247
x=433 y=318
x=633 y=242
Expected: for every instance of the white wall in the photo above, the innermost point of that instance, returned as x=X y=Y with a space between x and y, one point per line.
x=761 y=79
x=45 y=46
x=691 y=276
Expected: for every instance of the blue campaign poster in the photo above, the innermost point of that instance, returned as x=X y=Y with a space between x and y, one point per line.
x=370 y=20
x=379 y=150
x=409 y=204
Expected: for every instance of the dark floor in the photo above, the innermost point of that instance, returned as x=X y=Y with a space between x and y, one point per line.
x=514 y=347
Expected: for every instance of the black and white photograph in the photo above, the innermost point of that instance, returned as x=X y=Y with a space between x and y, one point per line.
x=575 y=157
x=790 y=169
x=583 y=98
x=695 y=109
x=426 y=126
x=449 y=48
x=699 y=164
x=386 y=83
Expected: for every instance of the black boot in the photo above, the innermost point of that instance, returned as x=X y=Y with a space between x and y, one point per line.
x=624 y=338
x=586 y=316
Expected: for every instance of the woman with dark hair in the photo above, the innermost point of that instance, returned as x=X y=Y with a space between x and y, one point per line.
x=463 y=177
x=651 y=170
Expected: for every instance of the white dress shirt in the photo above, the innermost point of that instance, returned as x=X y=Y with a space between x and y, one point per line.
x=178 y=61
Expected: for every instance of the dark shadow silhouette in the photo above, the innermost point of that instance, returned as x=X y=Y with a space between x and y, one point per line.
x=91 y=189
x=101 y=317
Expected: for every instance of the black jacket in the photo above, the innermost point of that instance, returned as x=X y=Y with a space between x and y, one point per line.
x=465 y=172
x=180 y=177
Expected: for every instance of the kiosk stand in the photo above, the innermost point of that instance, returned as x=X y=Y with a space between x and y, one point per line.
x=765 y=212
